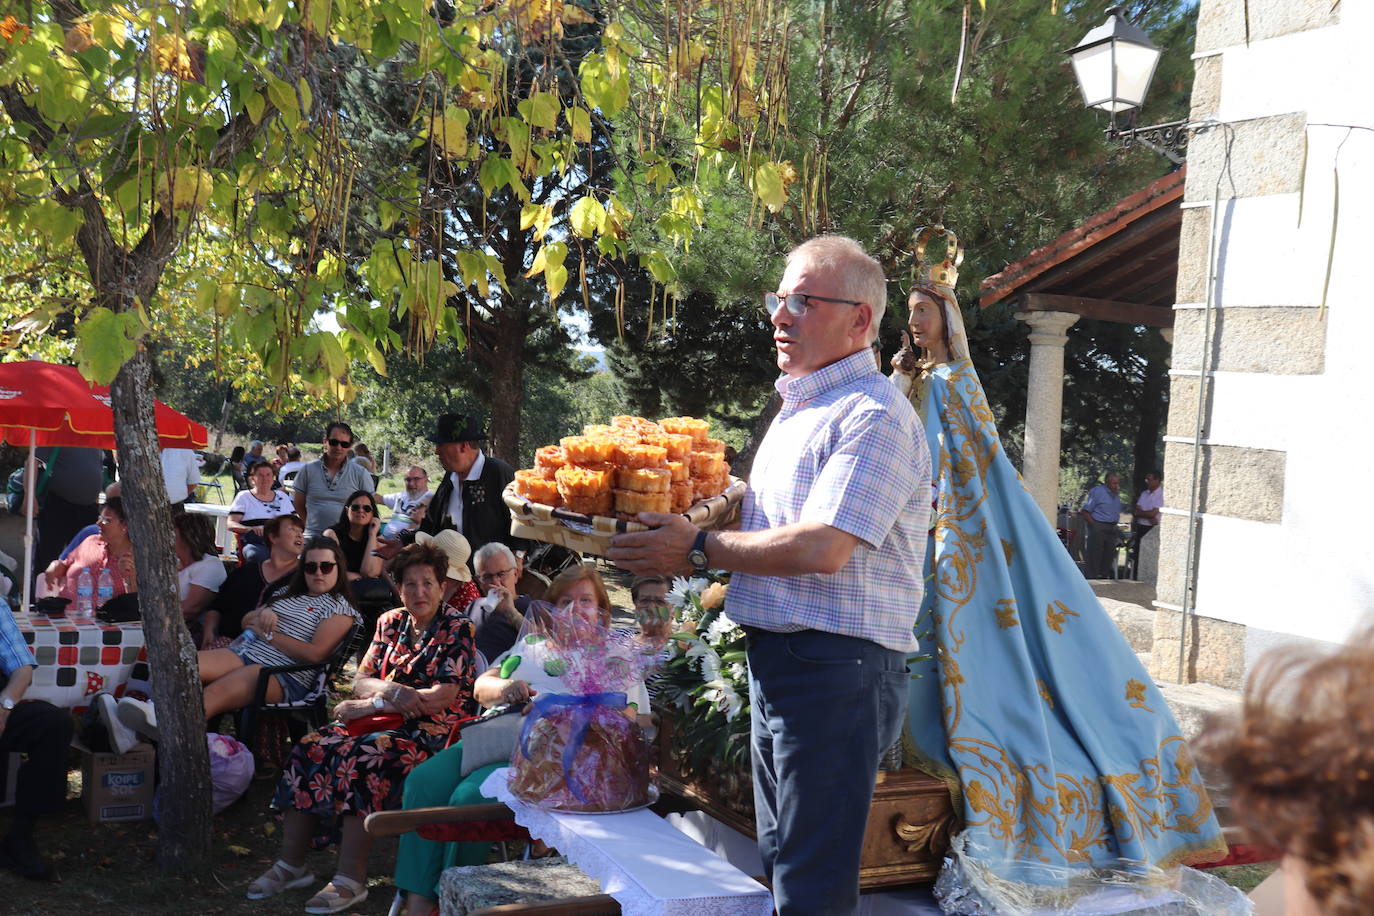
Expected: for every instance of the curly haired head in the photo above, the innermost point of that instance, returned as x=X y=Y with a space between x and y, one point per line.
x=1300 y=760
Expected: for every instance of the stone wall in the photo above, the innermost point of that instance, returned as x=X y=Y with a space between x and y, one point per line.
x=1284 y=339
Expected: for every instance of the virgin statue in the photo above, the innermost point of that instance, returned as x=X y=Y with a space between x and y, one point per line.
x=1067 y=767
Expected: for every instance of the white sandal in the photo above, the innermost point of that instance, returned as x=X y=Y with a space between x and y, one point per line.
x=280 y=877
x=331 y=900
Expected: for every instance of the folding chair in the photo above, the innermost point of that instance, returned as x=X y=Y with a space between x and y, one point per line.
x=312 y=710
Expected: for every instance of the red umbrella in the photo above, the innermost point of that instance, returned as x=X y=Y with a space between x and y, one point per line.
x=47 y=404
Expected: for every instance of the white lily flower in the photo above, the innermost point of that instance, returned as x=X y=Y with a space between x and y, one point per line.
x=721 y=629
x=683 y=589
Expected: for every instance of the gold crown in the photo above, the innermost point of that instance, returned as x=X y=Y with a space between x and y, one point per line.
x=937 y=273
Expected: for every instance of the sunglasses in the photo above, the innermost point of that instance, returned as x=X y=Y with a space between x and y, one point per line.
x=360 y=507
x=796 y=303
x=340 y=443
x=326 y=567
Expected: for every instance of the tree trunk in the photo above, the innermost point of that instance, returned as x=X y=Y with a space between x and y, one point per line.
x=745 y=460
x=508 y=383
x=184 y=764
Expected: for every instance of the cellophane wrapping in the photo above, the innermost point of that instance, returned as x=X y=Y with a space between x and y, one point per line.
x=583 y=750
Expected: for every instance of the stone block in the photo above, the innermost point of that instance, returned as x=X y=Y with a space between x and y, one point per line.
x=1206 y=100
x=468 y=888
x=1265 y=158
x=1214 y=650
x=1147 y=560
x=1225 y=23
x=1235 y=481
x=1195 y=706
x=1280 y=340
x=1136 y=623
x=1173 y=545
x=1183 y=407
x=1194 y=244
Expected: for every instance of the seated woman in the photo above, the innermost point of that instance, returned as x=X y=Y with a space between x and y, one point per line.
x=459 y=590
x=356 y=531
x=304 y=626
x=252 y=508
x=254 y=584
x=200 y=573
x=439 y=780
x=110 y=549
x=419 y=668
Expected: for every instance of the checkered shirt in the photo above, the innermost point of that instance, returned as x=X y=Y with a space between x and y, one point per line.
x=14 y=652
x=848 y=451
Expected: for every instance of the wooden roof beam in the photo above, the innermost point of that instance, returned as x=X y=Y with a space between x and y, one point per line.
x=1102 y=309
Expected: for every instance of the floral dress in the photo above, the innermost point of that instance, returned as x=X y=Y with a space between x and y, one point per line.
x=331 y=772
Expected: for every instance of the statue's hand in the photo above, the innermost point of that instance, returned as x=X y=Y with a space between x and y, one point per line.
x=904 y=360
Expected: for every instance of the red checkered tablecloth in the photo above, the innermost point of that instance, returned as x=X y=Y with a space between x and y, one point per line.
x=79 y=659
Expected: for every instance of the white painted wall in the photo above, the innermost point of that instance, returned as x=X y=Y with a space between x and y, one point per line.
x=1311 y=575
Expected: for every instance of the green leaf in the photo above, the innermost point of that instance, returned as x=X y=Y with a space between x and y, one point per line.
x=555 y=274
x=769 y=186
x=104 y=342
x=254 y=105
x=540 y=110
x=587 y=217
x=497 y=172
x=580 y=122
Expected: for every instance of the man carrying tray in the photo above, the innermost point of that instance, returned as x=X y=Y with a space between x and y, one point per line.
x=828 y=580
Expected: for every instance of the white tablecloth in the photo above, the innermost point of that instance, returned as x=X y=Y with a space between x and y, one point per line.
x=646 y=864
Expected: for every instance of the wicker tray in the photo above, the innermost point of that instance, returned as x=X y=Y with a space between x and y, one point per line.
x=592 y=533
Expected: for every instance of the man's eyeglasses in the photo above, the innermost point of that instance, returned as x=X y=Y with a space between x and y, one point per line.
x=361 y=507
x=326 y=567
x=414 y=479
x=797 y=303
x=488 y=578
x=341 y=443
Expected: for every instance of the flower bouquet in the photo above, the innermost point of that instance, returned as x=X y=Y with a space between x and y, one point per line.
x=702 y=690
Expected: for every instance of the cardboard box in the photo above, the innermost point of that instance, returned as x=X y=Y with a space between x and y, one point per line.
x=118 y=787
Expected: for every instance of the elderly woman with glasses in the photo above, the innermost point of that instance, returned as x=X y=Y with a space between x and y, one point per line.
x=110 y=549
x=513 y=678
x=413 y=685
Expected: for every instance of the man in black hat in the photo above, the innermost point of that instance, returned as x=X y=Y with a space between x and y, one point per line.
x=469 y=497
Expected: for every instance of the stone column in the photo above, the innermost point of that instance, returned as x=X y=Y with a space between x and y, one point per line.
x=1045 y=406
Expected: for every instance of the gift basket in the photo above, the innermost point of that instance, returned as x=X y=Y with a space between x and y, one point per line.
x=581 y=747
x=588 y=488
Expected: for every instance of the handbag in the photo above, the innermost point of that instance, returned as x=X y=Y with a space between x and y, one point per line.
x=491 y=739
x=14 y=486
x=379 y=722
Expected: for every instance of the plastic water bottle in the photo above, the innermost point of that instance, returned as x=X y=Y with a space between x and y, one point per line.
x=104 y=588
x=85 y=591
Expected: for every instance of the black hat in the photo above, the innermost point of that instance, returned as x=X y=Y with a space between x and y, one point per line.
x=457 y=427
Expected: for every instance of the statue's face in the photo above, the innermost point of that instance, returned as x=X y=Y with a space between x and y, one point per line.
x=927 y=321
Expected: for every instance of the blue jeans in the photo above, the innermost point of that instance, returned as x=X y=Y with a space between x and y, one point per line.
x=824 y=709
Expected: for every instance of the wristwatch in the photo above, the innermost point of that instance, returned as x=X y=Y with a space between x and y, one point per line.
x=6 y=703
x=697 y=555
x=378 y=703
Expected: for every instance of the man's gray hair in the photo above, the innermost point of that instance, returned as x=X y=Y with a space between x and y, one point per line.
x=859 y=275
x=492 y=550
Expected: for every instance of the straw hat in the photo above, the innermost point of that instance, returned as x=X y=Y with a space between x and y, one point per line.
x=455 y=546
